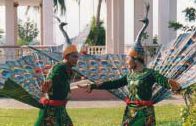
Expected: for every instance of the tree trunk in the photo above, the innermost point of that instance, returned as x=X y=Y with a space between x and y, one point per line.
x=98 y=12
x=97 y=21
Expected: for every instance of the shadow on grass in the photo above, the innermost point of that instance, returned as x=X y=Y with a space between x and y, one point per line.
x=169 y=123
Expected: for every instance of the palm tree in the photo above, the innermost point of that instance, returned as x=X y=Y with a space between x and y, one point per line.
x=1 y=31
x=190 y=13
x=98 y=24
x=190 y=16
x=98 y=13
x=60 y=3
x=56 y=4
x=97 y=33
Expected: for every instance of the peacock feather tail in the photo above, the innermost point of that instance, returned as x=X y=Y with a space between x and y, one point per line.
x=21 y=79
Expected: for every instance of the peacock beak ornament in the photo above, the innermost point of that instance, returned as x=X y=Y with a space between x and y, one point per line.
x=68 y=46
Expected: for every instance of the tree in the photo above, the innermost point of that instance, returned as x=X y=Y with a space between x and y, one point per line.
x=190 y=16
x=98 y=13
x=56 y=4
x=97 y=34
x=60 y=3
x=1 y=32
x=188 y=112
x=27 y=31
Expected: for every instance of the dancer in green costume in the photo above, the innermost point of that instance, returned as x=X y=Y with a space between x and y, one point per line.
x=57 y=86
x=139 y=110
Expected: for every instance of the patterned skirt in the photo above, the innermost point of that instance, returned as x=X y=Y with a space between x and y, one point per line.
x=53 y=116
x=139 y=116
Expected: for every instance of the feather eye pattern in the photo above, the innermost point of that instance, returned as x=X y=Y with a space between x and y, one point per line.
x=22 y=78
x=28 y=72
x=97 y=68
x=101 y=68
x=177 y=61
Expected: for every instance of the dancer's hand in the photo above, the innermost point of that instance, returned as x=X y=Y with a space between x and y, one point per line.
x=87 y=87
x=45 y=87
x=175 y=86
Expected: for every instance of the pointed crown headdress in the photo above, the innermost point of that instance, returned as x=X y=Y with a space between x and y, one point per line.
x=137 y=51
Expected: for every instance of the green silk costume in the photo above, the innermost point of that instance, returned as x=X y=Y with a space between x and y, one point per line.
x=56 y=115
x=140 y=88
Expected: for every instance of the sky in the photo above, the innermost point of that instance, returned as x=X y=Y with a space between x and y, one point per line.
x=87 y=10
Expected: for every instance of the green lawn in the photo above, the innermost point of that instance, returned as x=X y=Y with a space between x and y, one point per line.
x=167 y=115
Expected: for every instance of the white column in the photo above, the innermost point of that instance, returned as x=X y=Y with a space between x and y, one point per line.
x=41 y=25
x=109 y=39
x=115 y=27
x=11 y=22
x=173 y=17
x=47 y=23
x=139 y=13
x=167 y=10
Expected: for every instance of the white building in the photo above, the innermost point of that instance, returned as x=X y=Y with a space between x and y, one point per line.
x=115 y=21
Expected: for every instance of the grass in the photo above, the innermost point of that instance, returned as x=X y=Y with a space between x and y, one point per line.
x=166 y=115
